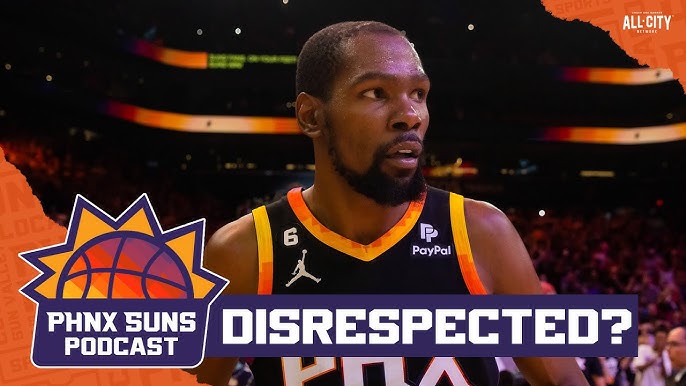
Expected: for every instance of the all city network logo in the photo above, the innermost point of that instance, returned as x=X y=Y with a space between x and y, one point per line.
x=121 y=292
x=647 y=22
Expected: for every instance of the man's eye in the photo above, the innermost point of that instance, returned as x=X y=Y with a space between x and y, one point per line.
x=374 y=94
x=419 y=94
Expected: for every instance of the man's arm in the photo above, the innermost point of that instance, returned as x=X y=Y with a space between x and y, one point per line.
x=504 y=266
x=644 y=358
x=646 y=365
x=232 y=253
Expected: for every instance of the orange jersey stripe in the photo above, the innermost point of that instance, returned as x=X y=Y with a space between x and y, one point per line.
x=265 y=252
x=363 y=252
x=462 y=247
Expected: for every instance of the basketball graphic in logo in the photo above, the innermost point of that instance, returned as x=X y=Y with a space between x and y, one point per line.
x=129 y=267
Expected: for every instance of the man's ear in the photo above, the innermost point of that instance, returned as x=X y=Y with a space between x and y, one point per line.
x=308 y=112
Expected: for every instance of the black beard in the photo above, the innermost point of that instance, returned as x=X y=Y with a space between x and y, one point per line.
x=377 y=185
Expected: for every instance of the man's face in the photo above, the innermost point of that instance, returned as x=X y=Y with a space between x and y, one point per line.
x=377 y=117
x=676 y=348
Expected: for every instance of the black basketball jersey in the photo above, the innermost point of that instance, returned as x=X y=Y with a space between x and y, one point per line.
x=426 y=252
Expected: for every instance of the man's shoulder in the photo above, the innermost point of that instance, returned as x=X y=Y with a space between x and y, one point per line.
x=482 y=216
x=232 y=253
x=480 y=210
x=235 y=236
x=646 y=350
x=498 y=250
x=483 y=209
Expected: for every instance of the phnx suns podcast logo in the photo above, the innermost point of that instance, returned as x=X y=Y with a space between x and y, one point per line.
x=121 y=292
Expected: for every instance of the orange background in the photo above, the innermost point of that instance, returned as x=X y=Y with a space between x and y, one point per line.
x=24 y=226
x=664 y=49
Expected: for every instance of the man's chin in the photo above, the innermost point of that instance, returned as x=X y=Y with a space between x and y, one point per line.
x=402 y=189
x=385 y=182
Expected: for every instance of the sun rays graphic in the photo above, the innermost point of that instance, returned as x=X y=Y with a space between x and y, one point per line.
x=125 y=258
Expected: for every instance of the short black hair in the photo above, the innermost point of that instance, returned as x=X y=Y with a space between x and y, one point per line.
x=321 y=56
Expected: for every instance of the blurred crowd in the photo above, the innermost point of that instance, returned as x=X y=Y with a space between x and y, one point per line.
x=623 y=251
x=611 y=250
x=113 y=181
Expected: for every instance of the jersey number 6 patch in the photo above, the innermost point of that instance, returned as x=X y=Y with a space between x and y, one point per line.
x=290 y=237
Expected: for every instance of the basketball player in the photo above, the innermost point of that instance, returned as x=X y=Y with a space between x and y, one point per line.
x=369 y=219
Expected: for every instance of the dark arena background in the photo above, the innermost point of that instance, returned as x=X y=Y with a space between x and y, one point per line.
x=119 y=98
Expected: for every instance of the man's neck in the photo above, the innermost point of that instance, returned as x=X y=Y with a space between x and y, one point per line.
x=350 y=214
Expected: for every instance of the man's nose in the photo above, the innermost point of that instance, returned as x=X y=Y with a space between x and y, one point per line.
x=408 y=116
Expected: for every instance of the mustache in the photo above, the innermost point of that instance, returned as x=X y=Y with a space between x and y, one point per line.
x=407 y=137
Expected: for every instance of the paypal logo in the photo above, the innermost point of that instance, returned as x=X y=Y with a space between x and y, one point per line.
x=427 y=232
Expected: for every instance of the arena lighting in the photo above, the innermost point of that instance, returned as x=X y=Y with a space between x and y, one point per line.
x=286 y=125
x=470 y=27
x=200 y=60
x=8 y=66
x=457 y=169
x=623 y=76
x=199 y=123
x=205 y=60
x=199 y=31
x=615 y=135
x=597 y=173
x=541 y=213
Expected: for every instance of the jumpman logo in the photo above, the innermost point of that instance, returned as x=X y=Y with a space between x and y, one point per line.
x=300 y=271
